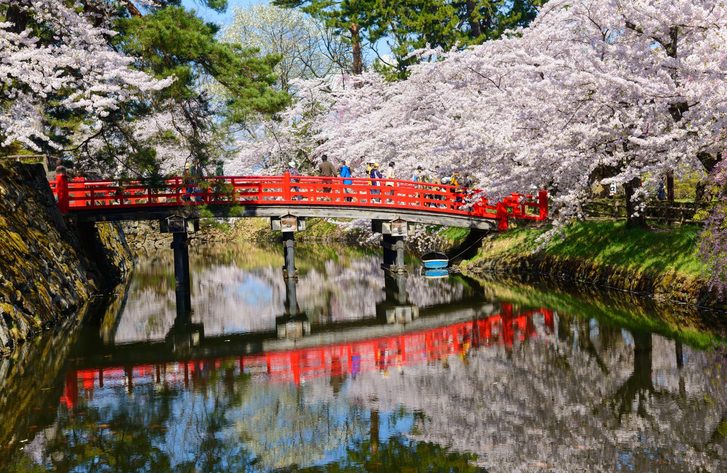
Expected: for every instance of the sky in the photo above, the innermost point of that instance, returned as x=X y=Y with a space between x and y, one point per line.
x=221 y=19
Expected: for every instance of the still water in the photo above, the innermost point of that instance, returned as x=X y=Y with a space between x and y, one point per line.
x=349 y=370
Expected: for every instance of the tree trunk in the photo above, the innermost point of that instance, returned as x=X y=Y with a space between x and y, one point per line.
x=633 y=220
x=133 y=11
x=700 y=192
x=475 y=28
x=17 y=18
x=709 y=161
x=356 y=49
x=670 y=186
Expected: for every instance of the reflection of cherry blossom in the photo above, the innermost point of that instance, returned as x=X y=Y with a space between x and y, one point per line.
x=228 y=299
x=558 y=406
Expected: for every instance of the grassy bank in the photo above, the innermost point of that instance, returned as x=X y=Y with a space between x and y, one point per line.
x=663 y=262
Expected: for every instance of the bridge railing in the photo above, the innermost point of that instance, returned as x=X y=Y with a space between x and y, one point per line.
x=78 y=195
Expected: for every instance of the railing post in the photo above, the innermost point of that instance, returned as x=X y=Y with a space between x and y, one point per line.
x=62 y=191
x=501 y=217
x=543 y=204
x=286 y=187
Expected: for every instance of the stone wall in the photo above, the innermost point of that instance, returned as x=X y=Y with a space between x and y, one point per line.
x=49 y=270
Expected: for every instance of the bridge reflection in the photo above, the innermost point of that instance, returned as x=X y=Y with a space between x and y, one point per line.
x=405 y=348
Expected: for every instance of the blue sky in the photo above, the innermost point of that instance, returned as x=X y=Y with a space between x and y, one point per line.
x=220 y=18
x=225 y=18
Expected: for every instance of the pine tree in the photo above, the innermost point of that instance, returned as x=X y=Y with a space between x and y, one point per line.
x=356 y=20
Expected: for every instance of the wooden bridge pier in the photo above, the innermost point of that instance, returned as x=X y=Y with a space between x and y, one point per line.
x=178 y=227
x=393 y=235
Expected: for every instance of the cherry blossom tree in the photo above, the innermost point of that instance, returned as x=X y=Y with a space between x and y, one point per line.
x=306 y=47
x=56 y=61
x=714 y=237
x=625 y=90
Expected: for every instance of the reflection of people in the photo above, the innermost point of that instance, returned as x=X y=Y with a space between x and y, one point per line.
x=355 y=365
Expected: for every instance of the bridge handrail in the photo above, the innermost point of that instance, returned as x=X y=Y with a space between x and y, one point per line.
x=79 y=195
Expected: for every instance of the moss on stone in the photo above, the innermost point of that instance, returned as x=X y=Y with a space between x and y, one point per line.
x=43 y=276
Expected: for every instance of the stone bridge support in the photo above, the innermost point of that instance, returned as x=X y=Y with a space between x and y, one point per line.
x=288 y=225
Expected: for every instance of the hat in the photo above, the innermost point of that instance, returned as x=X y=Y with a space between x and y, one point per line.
x=291 y=164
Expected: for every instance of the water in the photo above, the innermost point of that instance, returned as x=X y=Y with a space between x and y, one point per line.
x=347 y=370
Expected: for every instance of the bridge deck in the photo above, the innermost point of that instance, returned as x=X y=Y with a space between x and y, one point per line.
x=303 y=196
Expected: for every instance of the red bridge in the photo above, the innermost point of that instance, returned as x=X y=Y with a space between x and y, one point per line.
x=302 y=196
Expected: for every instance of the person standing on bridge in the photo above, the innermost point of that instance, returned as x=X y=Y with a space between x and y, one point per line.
x=390 y=176
x=294 y=173
x=326 y=169
x=418 y=174
x=345 y=172
x=375 y=176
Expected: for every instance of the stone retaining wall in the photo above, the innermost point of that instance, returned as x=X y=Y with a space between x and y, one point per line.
x=49 y=270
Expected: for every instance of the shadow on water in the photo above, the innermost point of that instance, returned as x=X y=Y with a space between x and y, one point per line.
x=347 y=368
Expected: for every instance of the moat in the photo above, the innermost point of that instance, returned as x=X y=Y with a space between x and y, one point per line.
x=349 y=369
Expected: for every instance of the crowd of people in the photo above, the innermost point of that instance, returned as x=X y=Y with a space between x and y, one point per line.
x=461 y=184
x=372 y=170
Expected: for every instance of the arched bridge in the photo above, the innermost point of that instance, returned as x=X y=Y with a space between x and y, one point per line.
x=301 y=196
x=390 y=204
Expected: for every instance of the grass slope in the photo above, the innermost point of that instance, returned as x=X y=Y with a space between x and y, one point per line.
x=609 y=243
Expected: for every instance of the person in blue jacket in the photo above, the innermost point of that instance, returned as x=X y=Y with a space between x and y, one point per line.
x=345 y=171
